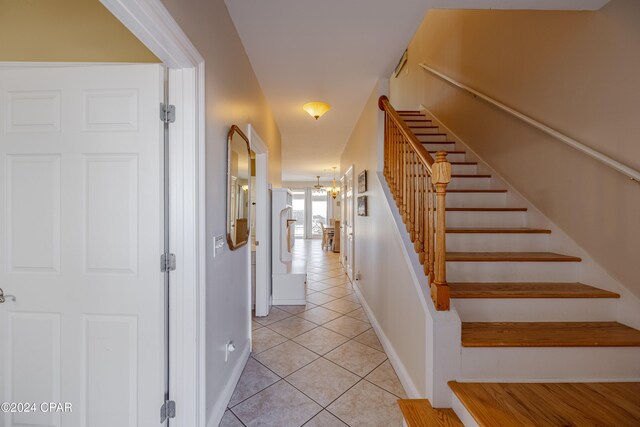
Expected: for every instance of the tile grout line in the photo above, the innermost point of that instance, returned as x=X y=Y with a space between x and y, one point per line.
x=249 y=397
x=360 y=379
x=358 y=382
x=347 y=286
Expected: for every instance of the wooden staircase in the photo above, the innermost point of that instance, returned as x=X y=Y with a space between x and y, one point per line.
x=556 y=404
x=504 y=279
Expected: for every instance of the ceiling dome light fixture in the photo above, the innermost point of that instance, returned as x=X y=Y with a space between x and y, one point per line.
x=316 y=109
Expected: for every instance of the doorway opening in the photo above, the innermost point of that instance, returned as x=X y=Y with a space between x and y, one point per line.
x=319 y=213
x=298 y=212
x=260 y=268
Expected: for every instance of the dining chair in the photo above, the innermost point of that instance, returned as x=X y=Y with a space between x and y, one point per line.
x=327 y=237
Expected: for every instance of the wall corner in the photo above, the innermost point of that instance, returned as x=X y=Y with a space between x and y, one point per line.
x=382 y=89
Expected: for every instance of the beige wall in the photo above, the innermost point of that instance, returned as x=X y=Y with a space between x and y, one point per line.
x=233 y=96
x=574 y=71
x=65 y=31
x=385 y=278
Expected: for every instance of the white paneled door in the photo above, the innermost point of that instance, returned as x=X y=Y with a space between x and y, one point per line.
x=80 y=241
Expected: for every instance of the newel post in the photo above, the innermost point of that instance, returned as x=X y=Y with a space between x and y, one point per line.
x=440 y=178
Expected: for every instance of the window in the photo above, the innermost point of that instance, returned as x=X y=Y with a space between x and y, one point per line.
x=298 y=212
x=318 y=212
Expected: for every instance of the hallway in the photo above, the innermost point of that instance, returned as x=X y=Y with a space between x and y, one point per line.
x=319 y=364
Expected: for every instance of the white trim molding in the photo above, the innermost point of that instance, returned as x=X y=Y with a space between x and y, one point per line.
x=220 y=405
x=620 y=167
x=263 y=212
x=154 y=26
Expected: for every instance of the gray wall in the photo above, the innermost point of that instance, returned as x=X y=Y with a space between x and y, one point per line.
x=233 y=96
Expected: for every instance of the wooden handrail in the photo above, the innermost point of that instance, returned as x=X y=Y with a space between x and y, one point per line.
x=385 y=105
x=633 y=174
x=419 y=186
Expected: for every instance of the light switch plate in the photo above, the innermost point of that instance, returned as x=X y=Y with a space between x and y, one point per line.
x=218 y=245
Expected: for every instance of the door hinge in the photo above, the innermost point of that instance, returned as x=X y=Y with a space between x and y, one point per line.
x=167 y=262
x=168 y=410
x=167 y=113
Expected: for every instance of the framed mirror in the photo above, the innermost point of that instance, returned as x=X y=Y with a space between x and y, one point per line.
x=238 y=188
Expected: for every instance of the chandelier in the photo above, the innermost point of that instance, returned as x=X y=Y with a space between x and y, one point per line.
x=318 y=186
x=334 y=189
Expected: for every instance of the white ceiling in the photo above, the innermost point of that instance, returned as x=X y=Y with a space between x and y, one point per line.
x=335 y=51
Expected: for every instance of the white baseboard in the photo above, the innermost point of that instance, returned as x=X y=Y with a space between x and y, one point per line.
x=218 y=410
x=403 y=375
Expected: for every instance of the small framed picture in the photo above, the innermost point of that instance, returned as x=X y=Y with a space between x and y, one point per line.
x=362 y=205
x=362 y=182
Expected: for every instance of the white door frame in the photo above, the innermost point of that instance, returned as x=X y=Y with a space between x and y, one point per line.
x=343 y=218
x=308 y=213
x=263 y=270
x=351 y=220
x=154 y=26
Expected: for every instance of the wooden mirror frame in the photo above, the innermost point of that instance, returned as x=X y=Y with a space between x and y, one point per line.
x=235 y=130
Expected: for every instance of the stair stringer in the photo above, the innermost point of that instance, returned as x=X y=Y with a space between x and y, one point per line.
x=627 y=308
x=443 y=327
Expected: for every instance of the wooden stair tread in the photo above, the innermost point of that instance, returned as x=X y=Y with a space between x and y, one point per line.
x=527 y=290
x=464 y=163
x=510 y=257
x=551 y=404
x=493 y=230
x=473 y=190
x=486 y=209
x=448 y=152
x=420 y=413
x=549 y=334
x=433 y=134
x=454 y=175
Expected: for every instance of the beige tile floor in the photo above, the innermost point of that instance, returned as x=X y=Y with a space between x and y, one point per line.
x=319 y=365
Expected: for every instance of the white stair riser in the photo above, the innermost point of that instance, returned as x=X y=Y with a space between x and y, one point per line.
x=464 y=169
x=438 y=147
x=469 y=183
x=476 y=200
x=462 y=412
x=452 y=157
x=550 y=363
x=432 y=138
x=497 y=242
x=536 y=309
x=434 y=129
x=512 y=271
x=485 y=219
